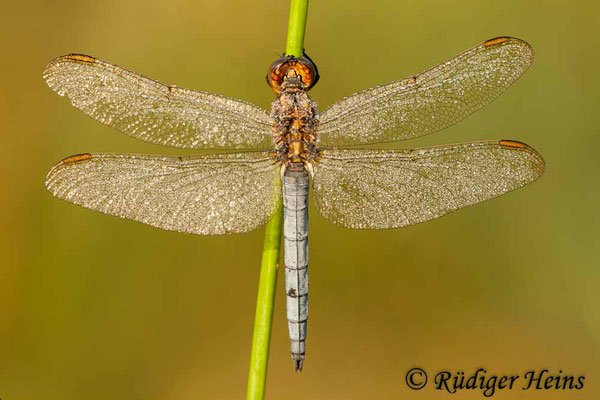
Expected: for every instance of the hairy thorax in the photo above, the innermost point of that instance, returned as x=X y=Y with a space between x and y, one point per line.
x=294 y=127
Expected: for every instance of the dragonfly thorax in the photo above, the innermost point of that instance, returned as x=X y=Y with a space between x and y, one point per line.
x=294 y=128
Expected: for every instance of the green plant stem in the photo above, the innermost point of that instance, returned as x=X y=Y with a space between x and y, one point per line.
x=259 y=357
x=263 y=320
x=296 y=28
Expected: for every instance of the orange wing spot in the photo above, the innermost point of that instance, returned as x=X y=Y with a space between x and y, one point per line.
x=513 y=144
x=82 y=58
x=76 y=158
x=495 y=41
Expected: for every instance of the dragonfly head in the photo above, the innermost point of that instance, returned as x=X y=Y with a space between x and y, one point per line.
x=292 y=73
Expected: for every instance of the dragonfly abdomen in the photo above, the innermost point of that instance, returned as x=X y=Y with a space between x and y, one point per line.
x=295 y=233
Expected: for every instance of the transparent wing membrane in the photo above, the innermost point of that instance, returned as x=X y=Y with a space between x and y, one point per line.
x=381 y=189
x=205 y=194
x=157 y=113
x=428 y=102
x=237 y=192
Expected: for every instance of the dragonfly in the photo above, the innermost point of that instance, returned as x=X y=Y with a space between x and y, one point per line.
x=282 y=152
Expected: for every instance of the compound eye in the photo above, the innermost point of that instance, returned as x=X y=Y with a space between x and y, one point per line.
x=275 y=73
x=301 y=69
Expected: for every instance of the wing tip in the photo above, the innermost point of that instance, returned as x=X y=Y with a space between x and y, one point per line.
x=504 y=40
x=520 y=146
x=65 y=161
x=68 y=58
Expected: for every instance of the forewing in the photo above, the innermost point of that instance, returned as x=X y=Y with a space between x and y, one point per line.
x=428 y=102
x=205 y=194
x=381 y=189
x=157 y=113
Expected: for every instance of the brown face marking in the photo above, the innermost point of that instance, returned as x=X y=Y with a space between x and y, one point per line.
x=513 y=144
x=495 y=41
x=76 y=158
x=81 y=58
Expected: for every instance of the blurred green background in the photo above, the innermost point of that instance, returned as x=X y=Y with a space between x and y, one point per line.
x=94 y=307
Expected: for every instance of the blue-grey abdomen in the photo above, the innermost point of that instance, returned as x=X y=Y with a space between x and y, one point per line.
x=295 y=242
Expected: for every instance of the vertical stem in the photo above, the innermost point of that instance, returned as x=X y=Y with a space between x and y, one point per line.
x=257 y=376
x=296 y=28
